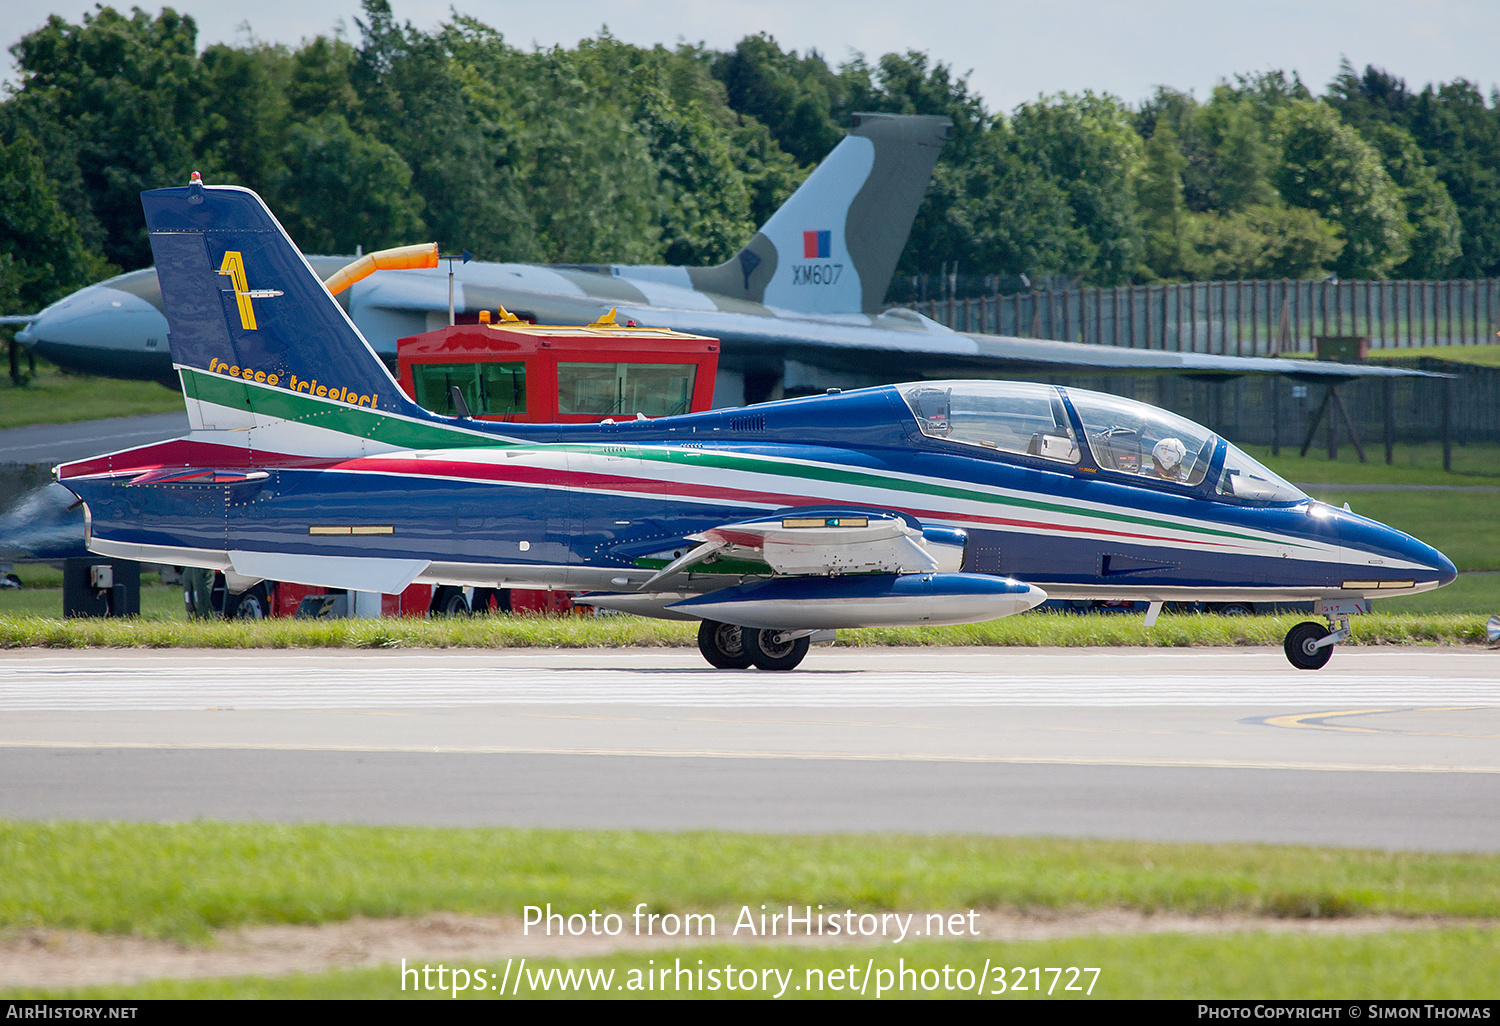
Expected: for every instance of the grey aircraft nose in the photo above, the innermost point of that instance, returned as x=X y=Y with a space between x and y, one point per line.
x=103 y=330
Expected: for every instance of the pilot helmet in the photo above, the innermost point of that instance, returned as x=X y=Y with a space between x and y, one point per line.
x=1168 y=454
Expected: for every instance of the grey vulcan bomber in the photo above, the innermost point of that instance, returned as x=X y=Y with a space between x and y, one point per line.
x=798 y=309
x=807 y=287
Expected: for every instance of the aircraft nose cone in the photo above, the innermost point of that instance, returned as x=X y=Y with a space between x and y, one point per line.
x=102 y=330
x=1384 y=553
x=1447 y=572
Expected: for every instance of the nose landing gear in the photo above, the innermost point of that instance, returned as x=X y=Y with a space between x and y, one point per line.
x=1309 y=645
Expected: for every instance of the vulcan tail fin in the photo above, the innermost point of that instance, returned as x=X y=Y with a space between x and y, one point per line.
x=253 y=329
x=833 y=246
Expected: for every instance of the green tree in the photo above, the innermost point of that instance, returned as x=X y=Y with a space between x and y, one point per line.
x=1243 y=159
x=1431 y=214
x=342 y=189
x=800 y=100
x=1001 y=214
x=1460 y=137
x=705 y=214
x=1327 y=168
x=42 y=254
x=770 y=174
x=1263 y=241
x=1164 y=214
x=1088 y=146
x=244 y=128
x=126 y=97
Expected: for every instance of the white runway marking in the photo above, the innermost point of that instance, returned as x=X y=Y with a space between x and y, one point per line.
x=37 y=686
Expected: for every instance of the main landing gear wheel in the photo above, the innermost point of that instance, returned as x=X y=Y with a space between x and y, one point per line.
x=1300 y=646
x=769 y=654
x=723 y=645
x=253 y=604
x=448 y=601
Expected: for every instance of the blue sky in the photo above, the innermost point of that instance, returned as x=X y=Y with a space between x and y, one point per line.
x=1013 y=50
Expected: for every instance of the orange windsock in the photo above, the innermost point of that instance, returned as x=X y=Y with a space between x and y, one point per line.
x=402 y=258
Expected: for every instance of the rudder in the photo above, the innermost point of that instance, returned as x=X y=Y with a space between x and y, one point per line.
x=243 y=303
x=833 y=246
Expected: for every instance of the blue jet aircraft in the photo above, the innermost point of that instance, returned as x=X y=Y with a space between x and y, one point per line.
x=925 y=503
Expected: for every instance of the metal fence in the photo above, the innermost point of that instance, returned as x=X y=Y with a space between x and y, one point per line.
x=1238 y=318
x=1270 y=410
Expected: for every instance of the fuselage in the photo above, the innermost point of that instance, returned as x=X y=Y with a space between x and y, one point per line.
x=604 y=506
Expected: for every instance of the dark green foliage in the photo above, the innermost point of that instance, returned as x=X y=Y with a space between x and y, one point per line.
x=1327 y=168
x=127 y=98
x=42 y=254
x=615 y=152
x=800 y=100
x=1088 y=146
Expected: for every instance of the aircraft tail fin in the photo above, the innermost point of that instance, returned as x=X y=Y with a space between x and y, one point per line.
x=251 y=325
x=833 y=246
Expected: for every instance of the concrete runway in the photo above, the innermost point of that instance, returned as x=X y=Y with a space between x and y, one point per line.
x=1388 y=748
x=58 y=443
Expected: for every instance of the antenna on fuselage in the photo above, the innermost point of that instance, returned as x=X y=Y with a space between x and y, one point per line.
x=460 y=404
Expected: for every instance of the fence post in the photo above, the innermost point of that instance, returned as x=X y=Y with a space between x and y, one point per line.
x=1224 y=318
x=1276 y=415
x=1177 y=303
x=1254 y=326
x=1448 y=424
x=1239 y=321
x=1381 y=307
x=1148 y=339
x=1295 y=291
x=1390 y=418
x=1192 y=287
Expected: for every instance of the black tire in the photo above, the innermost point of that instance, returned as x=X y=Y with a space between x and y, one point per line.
x=723 y=645
x=448 y=601
x=253 y=604
x=1233 y=609
x=491 y=600
x=769 y=654
x=1299 y=642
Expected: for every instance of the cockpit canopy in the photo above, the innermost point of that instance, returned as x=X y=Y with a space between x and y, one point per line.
x=1122 y=436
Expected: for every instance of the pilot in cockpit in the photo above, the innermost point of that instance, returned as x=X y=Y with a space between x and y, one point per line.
x=1168 y=455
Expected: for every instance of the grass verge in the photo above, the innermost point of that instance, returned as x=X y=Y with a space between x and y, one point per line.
x=183 y=881
x=53 y=397
x=1044 y=629
x=1482 y=356
x=1477 y=463
x=1449 y=964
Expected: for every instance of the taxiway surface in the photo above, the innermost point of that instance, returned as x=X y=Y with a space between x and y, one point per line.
x=1389 y=748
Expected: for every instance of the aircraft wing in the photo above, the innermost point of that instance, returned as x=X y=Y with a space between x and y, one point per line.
x=822 y=541
x=564 y=296
x=828 y=566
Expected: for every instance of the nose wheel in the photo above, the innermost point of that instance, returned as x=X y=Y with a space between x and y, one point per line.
x=1302 y=648
x=1309 y=645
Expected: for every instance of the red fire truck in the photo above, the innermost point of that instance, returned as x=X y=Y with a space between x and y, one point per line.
x=506 y=369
